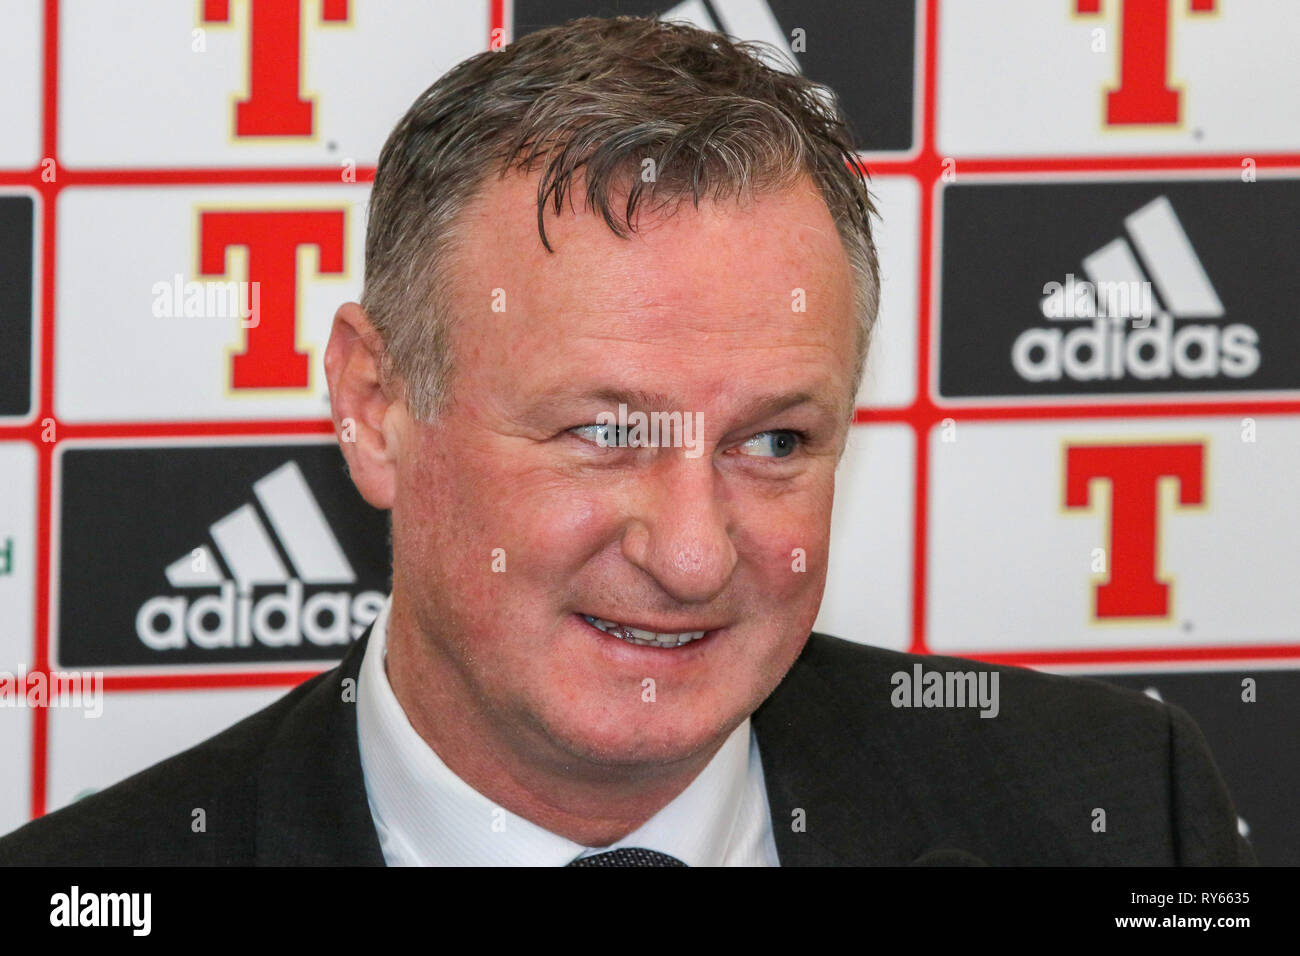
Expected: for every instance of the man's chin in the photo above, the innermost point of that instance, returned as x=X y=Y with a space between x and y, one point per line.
x=638 y=741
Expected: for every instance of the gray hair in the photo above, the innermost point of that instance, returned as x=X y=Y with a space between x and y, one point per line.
x=598 y=96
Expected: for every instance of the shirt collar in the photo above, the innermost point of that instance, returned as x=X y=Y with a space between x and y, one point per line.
x=426 y=815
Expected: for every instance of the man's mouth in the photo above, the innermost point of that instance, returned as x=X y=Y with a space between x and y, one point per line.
x=635 y=635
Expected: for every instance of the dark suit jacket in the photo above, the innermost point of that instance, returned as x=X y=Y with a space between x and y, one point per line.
x=876 y=784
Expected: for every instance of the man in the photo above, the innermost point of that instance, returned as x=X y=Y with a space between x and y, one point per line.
x=597 y=649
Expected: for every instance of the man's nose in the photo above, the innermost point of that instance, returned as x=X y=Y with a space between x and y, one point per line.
x=680 y=532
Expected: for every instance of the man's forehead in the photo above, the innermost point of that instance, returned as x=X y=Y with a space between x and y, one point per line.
x=503 y=219
x=703 y=299
x=724 y=266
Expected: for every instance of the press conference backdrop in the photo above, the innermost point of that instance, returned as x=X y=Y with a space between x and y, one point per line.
x=1028 y=481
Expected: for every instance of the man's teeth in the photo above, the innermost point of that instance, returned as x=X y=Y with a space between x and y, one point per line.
x=634 y=635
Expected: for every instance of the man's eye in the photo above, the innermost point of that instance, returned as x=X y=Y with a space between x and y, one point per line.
x=774 y=444
x=607 y=436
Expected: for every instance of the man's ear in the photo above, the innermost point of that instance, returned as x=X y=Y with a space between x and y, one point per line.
x=368 y=423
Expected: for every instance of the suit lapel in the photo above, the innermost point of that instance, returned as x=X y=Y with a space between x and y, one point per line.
x=312 y=808
x=798 y=791
x=844 y=773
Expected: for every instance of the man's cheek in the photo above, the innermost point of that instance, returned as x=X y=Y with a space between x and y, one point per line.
x=790 y=551
x=560 y=528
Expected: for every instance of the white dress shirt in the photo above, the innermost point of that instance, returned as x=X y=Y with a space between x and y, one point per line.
x=425 y=815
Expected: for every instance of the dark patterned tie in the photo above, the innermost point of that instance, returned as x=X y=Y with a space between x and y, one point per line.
x=629 y=856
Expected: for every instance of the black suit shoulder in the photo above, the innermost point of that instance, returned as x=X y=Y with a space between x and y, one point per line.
x=153 y=817
x=1066 y=771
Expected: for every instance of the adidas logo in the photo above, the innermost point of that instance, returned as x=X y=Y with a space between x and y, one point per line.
x=1118 y=289
x=249 y=559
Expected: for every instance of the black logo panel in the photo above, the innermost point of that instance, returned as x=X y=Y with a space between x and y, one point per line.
x=214 y=555
x=1067 y=289
x=17 y=214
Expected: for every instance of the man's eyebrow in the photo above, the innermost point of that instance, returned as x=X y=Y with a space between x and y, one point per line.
x=634 y=398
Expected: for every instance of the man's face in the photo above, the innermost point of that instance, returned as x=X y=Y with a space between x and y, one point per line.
x=511 y=524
